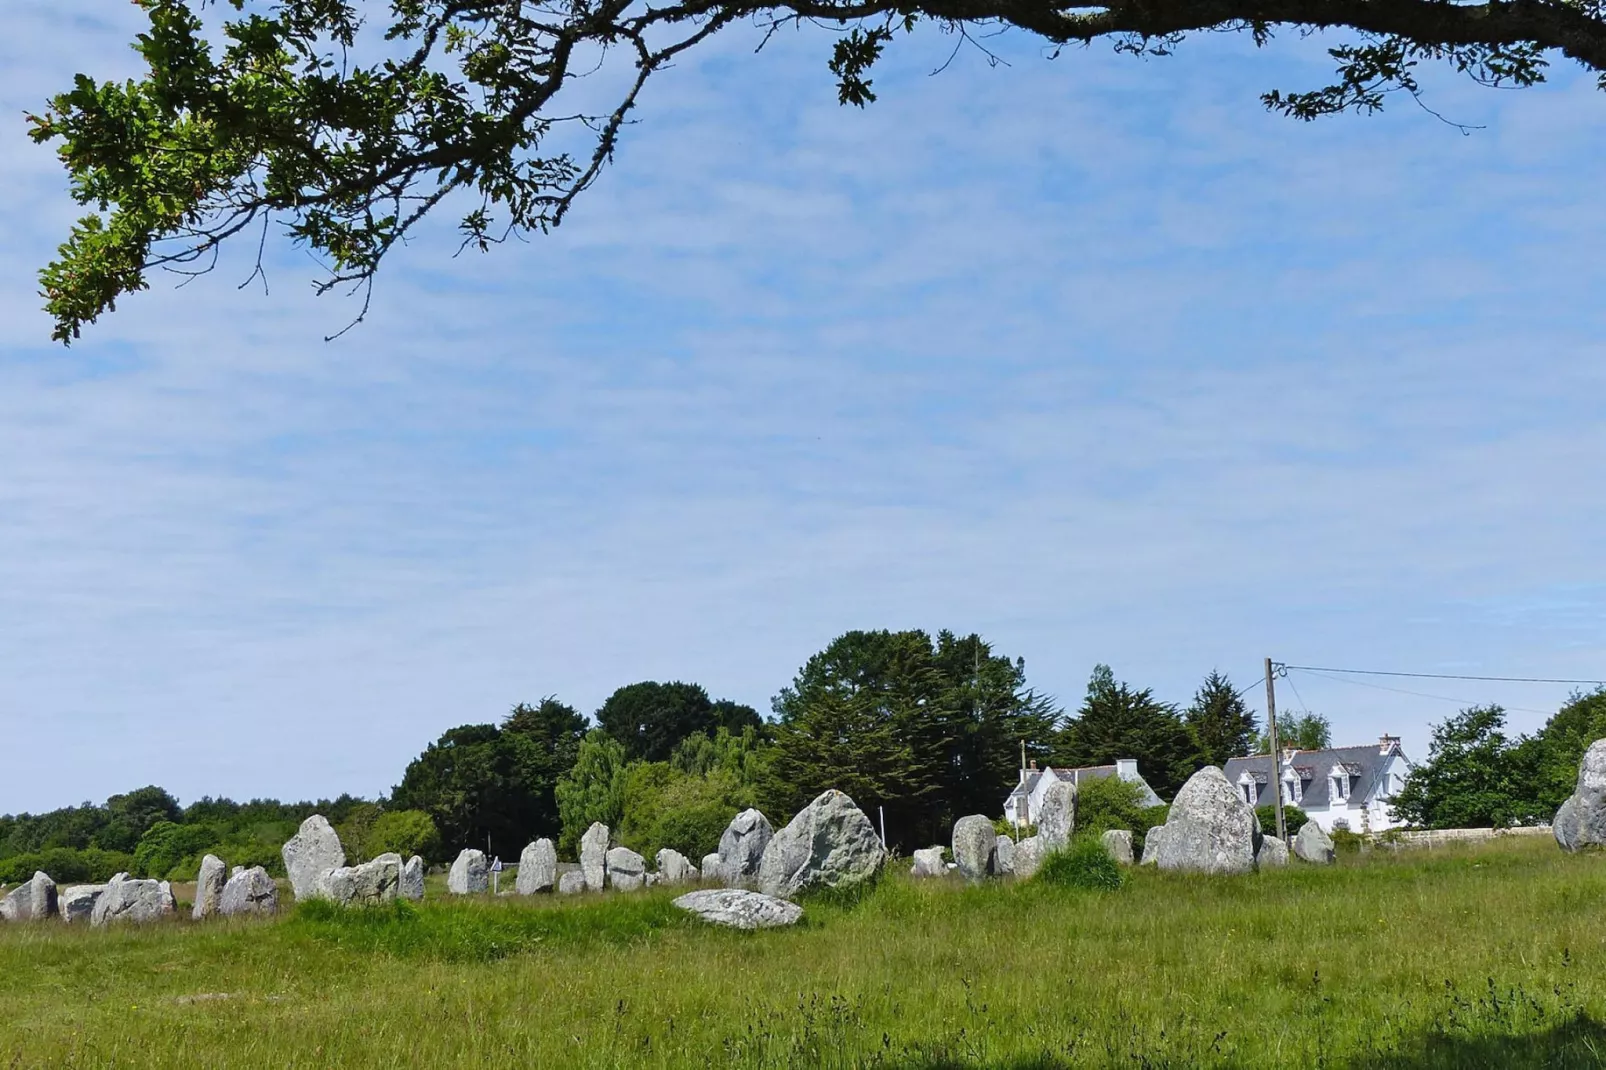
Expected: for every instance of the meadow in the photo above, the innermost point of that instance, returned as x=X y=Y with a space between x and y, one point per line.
x=1483 y=955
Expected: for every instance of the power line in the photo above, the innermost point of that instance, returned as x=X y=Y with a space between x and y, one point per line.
x=1416 y=694
x=1446 y=676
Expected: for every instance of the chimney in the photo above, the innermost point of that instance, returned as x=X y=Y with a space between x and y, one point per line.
x=1126 y=768
x=1388 y=744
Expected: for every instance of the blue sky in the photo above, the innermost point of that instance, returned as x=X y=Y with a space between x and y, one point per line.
x=1088 y=354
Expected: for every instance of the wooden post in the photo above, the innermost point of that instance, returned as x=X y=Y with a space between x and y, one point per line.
x=1276 y=754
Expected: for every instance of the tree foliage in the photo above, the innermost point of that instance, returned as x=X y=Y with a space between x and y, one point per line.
x=1220 y=721
x=1117 y=721
x=930 y=730
x=1473 y=778
x=650 y=719
x=592 y=790
x=1301 y=731
x=342 y=124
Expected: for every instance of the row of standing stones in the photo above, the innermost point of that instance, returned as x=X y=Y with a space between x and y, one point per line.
x=1210 y=829
x=829 y=844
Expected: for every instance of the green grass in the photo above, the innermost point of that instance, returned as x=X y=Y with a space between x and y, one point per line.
x=1491 y=956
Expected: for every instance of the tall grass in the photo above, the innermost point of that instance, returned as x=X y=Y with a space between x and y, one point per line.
x=1479 y=956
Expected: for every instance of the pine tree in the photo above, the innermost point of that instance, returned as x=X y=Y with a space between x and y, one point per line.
x=1221 y=722
x=1117 y=722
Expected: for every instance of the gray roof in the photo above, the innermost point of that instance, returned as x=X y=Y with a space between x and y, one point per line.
x=1314 y=767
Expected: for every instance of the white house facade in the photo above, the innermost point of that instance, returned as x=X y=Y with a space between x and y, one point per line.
x=1352 y=786
x=1024 y=803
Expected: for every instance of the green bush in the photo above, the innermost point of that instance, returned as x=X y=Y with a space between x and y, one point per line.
x=1083 y=864
x=1294 y=819
x=1109 y=803
x=66 y=865
x=1347 y=842
x=165 y=845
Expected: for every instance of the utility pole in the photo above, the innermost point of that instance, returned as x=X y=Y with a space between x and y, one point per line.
x=1276 y=754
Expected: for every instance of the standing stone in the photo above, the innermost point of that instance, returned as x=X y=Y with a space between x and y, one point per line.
x=1273 y=852
x=571 y=882
x=675 y=868
x=928 y=863
x=1210 y=829
x=312 y=852
x=1029 y=857
x=829 y=844
x=1119 y=843
x=33 y=901
x=366 y=885
x=1003 y=863
x=209 y=887
x=627 y=871
x=538 y=868
x=412 y=880
x=1056 y=819
x=1151 y=846
x=739 y=909
x=713 y=870
x=742 y=846
x=1313 y=844
x=973 y=844
x=126 y=899
x=594 y=856
x=77 y=903
x=469 y=875
x=248 y=892
x=1581 y=821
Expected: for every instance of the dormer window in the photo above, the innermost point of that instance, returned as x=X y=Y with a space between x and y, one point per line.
x=1340 y=786
x=1248 y=789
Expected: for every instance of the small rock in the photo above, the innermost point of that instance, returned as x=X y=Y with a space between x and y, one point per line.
x=675 y=868
x=974 y=840
x=470 y=874
x=829 y=844
x=412 y=880
x=1003 y=861
x=713 y=870
x=572 y=882
x=594 y=856
x=248 y=892
x=77 y=903
x=366 y=885
x=739 y=909
x=1151 y=846
x=312 y=852
x=1056 y=819
x=1029 y=857
x=1314 y=845
x=1119 y=843
x=626 y=869
x=1273 y=852
x=538 y=868
x=209 y=887
x=928 y=863
x=127 y=899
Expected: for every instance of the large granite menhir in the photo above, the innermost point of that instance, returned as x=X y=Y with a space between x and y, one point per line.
x=974 y=840
x=742 y=847
x=829 y=844
x=1056 y=816
x=1210 y=828
x=538 y=868
x=1581 y=821
x=311 y=853
x=470 y=873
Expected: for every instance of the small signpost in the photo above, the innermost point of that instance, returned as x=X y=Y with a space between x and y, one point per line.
x=496 y=874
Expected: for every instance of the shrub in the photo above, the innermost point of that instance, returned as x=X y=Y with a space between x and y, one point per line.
x=1083 y=864
x=1345 y=841
x=66 y=865
x=1109 y=803
x=165 y=845
x=1294 y=819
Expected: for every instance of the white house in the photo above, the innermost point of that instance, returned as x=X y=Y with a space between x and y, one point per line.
x=1354 y=785
x=1022 y=804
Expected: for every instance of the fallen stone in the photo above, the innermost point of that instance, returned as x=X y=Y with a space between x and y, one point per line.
x=77 y=903
x=1210 y=828
x=1273 y=852
x=928 y=863
x=1581 y=821
x=1056 y=819
x=627 y=871
x=249 y=892
x=209 y=887
x=131 y=900
x=1029 y=857
x=470 y=874
x=829 y=844
x=538 y=868
x=1003 y=861
x=740 y=909
x=594 y=856
x=675 y=868
x=312 y=852
x=1119 y=843
x=572 y=882
x=412 y=880
x=653 y=879
x=742 y=846
x=1313 y=845
x=973 y=842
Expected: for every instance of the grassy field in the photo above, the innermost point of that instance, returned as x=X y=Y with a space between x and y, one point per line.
x=1478 y=956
